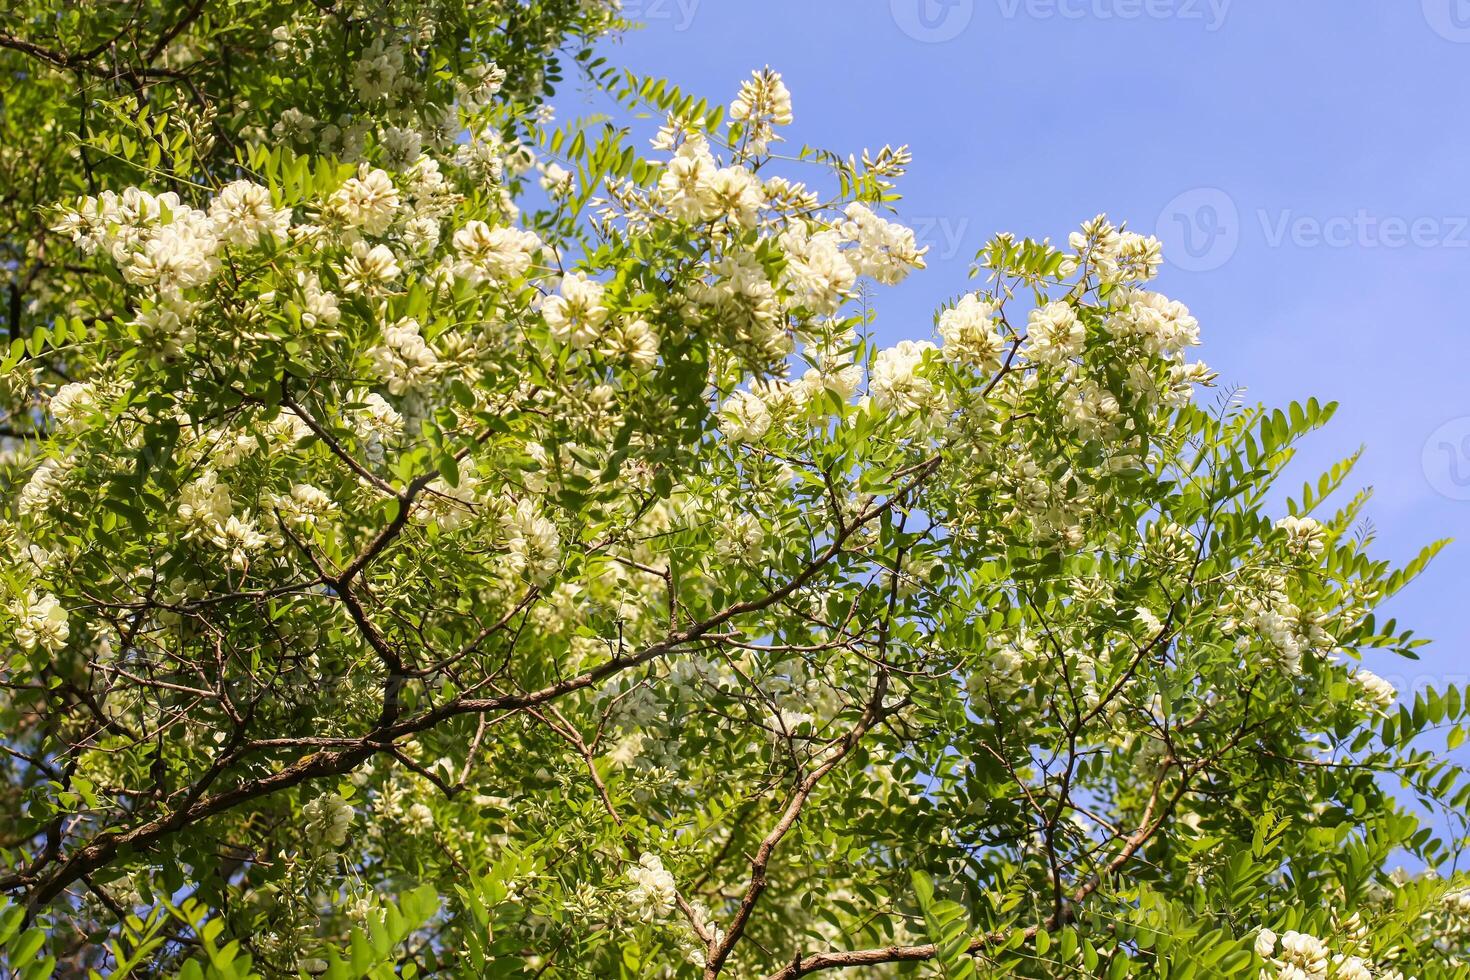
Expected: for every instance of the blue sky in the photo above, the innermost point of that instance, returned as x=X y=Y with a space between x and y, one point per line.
x=1304 y=161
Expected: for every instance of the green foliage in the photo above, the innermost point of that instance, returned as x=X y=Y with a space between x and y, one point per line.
x=445 y=541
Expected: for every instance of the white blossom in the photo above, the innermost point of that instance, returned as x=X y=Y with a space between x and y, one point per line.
x=402 y=145
x=318 y=307
x=886 y=251
x=40 y=621
x=1375 y=692
x=686 y=185
x=243 y=214
x=652 y=892
x=404 y=361
x=896 y=384
x=634 y=341
x=368 y=270
x=239 y=538
x=736 y=195
x=204 y=504
x=744 y=417
x=1303 y=957
x=304 y=505
x=1304 y=535
x=535 y=543
x=327 y=819
x=498 y=254
x=576 y=314
x=367 y=202
x=74 y=404
x=817 y=271
x=971 y=334
x=376 y=418
x=762 y=103
x=1054 y=333
x=377 y=72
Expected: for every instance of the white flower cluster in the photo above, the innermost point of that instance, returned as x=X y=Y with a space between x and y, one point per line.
x=367 y=202
x=376 y=418
x=40 y=621
x=745 y=291
x=449 y=506
x=239 y=538
x=204 y=502
x=763 y=103
x=1000 y=669
x=1054 y=333
x=243 y=214
x=694 y=188
x=1115 y=255
x=971 y=333
x=378 y=71
x=817 y=273
x=163 y=245
x=1457 y=904
x=326 y=821
x=576 y=314
x=651 y=894
x=1375 y=693
x=633 y=341
x=1264 y=611
x=1163 y=327
x=318 y=307
x=45 y=485
x=404 y=360
x=369 y=269
x=898 y=383
x=1082 y=342
x=205 y=511
x=1299 y=956
x=740 y=538
x=483 y=83
x=833 y=368
x=155 y=240
x=1304 y=536
x=886 y=251
x=744 y=417
x=75 y=403
x=498 y=254
x=534 y=541
x=304 y=506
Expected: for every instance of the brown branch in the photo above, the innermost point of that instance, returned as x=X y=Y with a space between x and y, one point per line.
x=760 y=863
x=1156 y=813
x=103 y=847
x=873 y=713
x=74 y=62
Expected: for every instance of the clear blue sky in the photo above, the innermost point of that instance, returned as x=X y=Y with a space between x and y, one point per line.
x=1305 y=161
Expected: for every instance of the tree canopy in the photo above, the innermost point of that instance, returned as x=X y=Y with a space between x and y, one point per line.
x=442 y=539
